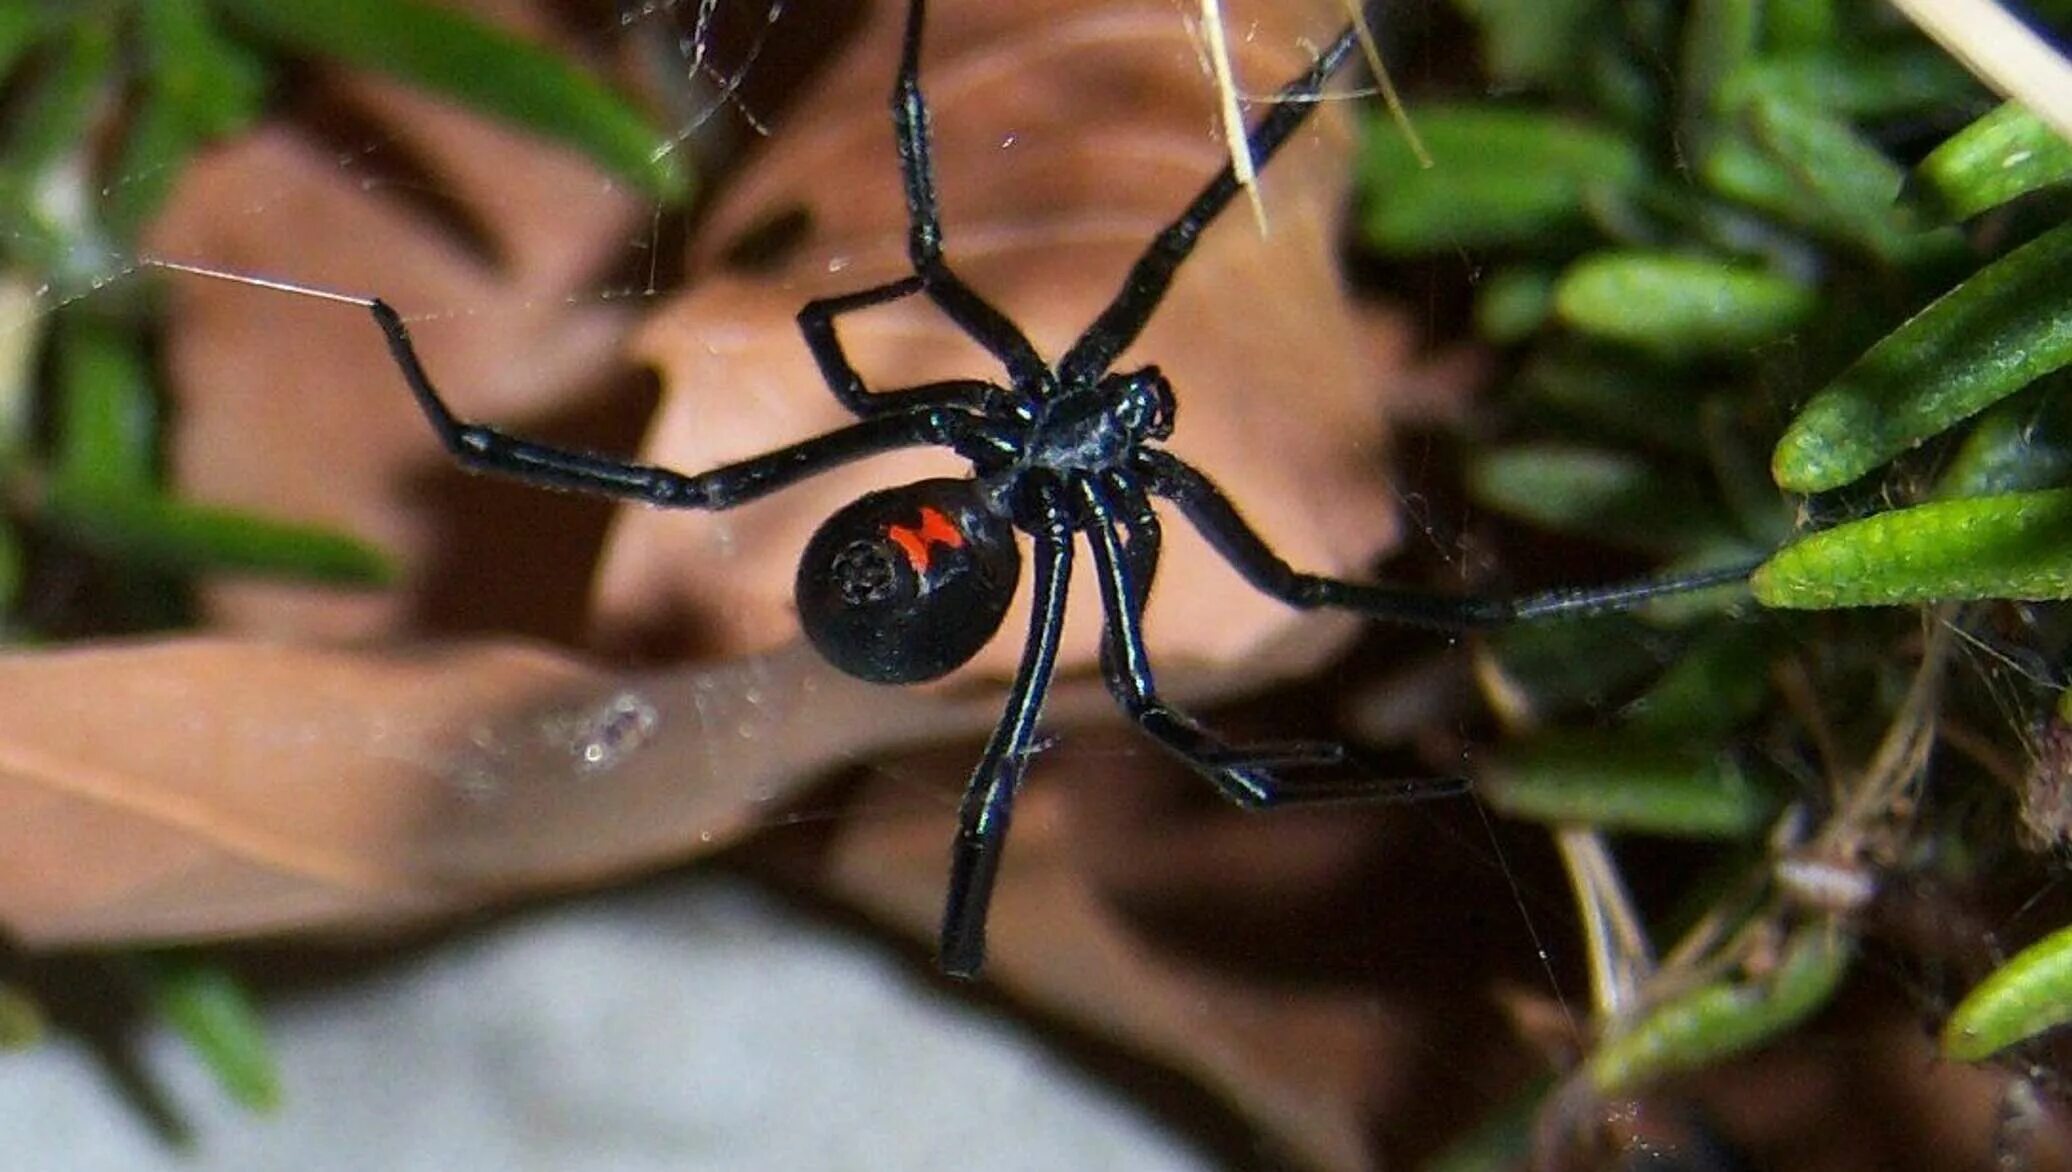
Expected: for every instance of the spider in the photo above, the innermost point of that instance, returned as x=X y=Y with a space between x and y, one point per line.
x=908 y=583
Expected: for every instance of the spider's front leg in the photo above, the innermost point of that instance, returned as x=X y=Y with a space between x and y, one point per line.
x=940 y=421
x=486 y=449
x=1119 y=325
x=960 y=302
x=988 y=804
x=1243 y=773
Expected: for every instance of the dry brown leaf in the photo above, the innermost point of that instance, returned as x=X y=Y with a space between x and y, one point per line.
x=1067 y=133
x=218 y=787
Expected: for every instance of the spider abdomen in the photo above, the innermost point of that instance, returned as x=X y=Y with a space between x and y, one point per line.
x=908 y=583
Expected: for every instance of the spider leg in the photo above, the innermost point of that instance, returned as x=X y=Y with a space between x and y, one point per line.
x=1125 y=317
x=1242 y=773
x=817 y=323
x=987 y=326
x=486 y=449
x=989 y=797
x=1143 y=535
x=1211 y=512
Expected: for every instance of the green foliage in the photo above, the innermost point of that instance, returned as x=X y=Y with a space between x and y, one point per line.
x=209 y=1009
x=2024 y=997
x=1612 y=495
x=477 y=65
x=1678 y=305
x=21 y=1018
x=197 y=85
x=155 y=532
x=2011 y=545
x=2003 y=328
x=1714 y=688
x=2006 y=154
x=1625 y=784
x=1510 y=306
x=167 y=77
x=1504 y=1139
x=1718 y=1020
x=2023 y=444
x=1752 y=307
x=1471 y=195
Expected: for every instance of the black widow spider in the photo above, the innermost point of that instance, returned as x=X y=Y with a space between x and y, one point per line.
x=908 y=583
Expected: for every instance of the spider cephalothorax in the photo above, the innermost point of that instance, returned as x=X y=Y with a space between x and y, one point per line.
x=1099 y=429
x=909 y=582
